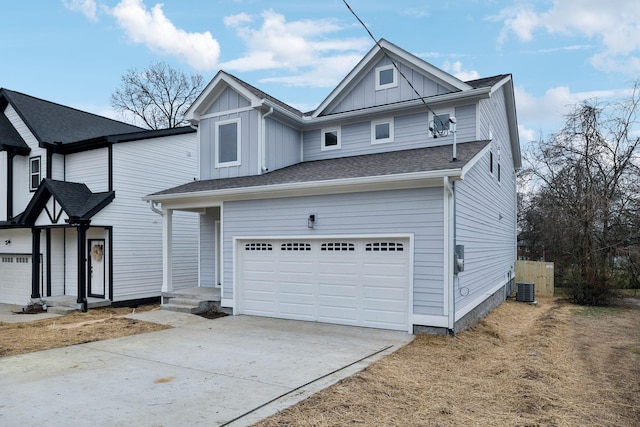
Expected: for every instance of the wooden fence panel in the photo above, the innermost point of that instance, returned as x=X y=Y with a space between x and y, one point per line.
x=540 y=273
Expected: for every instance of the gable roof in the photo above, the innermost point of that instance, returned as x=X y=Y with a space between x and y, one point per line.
x=386 y=165
x=10 y=139
x=76 y=199
x=54 y=123
x=380 y=49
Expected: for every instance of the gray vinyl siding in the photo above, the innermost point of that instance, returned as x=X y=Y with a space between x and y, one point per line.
x=282 y=145
x=229 y=99
x=417 y=211
x=486 y=214
x=249 y=159
x=208 y=247
x=141 y=168
x=364 y=93
x=410 y=131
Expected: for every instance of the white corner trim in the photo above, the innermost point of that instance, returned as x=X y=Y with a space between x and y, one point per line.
x=228 y=303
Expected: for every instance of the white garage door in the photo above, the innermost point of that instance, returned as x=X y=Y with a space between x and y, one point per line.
x=15 y=279
x=360 y=282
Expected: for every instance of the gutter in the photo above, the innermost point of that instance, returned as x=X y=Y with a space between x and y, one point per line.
x=263 y=144
x=450 y=277
x=310 y=185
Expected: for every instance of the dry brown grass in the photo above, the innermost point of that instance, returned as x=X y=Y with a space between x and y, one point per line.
x=550 y=364
x=75 y=328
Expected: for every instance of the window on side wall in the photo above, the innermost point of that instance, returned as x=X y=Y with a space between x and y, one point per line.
x=227 y=143
x=386 y=77
x=330 y=139
x=34 y=173
x=382 y=131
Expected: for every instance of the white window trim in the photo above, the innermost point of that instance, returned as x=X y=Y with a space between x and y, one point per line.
x=236 y=162
x=323 y=147
x=432 y=117
x=373 y=131
x=31 y=174
x=388 y=85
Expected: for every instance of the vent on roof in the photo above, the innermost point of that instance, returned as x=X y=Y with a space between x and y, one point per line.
x=525 y=292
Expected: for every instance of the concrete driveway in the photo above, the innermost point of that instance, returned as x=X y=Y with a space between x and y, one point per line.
x=230 y=371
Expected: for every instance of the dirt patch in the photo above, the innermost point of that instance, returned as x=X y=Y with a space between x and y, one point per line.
x=550 y=364
x=75 y=328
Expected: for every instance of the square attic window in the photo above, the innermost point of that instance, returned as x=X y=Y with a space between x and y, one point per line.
x=386 y=77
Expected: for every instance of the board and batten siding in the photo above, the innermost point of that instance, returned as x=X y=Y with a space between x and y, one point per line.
x=364 y=93
x=418 y=212
x=410 y=131
x=229 y=99
x=486 y=216
x=249 y=153
x=141 y=168
x=282 y=144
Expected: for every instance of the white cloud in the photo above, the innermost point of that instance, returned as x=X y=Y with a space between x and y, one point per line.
x=539 y=117
x=154 y=30
x=88 y=8
x=455 y=68
x=303 y=47
x=614 y=24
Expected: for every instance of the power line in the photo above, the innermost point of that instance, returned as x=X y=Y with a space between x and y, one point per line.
x=384 y=52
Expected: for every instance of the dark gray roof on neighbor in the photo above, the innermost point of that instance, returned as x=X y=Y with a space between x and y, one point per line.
x=77 y=200
x=10 y=138
x=55 y=123
x=381 y=164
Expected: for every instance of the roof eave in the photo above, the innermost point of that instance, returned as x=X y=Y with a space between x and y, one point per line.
x=335 y=186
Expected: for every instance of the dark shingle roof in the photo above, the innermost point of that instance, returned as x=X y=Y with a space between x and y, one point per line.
x=10 y=139
x=487 y=81
x=77 y=200
x=51 y=122
x=370 y=165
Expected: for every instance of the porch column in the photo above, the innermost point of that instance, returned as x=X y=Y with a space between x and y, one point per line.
x=167 y=249
x=35 y=263
x=82 y=225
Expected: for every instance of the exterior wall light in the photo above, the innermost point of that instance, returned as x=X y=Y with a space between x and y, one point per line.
x=311 y=221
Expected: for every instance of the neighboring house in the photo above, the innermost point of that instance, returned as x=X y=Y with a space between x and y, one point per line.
x=352 y=213
x=72 y=218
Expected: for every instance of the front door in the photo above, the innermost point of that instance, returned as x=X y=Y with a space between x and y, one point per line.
x=96 y=268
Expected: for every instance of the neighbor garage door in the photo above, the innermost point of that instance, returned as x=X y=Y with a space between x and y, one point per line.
x=360 y=282
x=15 y=279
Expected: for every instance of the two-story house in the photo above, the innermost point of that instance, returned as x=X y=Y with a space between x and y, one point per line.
x=72 y=219
x=391 y=205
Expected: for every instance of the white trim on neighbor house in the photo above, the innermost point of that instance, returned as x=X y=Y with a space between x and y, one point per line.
x=234 y=302
x=238 y=160
x=374 y=129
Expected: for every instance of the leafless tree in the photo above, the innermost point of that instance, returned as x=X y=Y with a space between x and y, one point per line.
x=583 y=208
x=158 y=96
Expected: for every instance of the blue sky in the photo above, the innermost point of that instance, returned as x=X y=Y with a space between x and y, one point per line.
x=560 y=52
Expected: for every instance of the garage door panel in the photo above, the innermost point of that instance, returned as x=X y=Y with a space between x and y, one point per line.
x=15 y=278
x=361 y=282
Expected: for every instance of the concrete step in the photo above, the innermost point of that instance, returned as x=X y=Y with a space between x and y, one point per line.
x=60 y=309
x=180 y=308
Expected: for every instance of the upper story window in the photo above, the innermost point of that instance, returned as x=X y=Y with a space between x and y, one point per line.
x=382 y=131
x=34 y=173
x=386 y=77
x=227 y=143
x=440 y=125
x=331 y=139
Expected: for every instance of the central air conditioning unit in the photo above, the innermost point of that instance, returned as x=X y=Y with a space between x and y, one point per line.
x=525 y=292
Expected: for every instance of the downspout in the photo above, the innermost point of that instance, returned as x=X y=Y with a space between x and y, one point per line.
x=451 y=276
x=152 y=206
x=264 y=140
